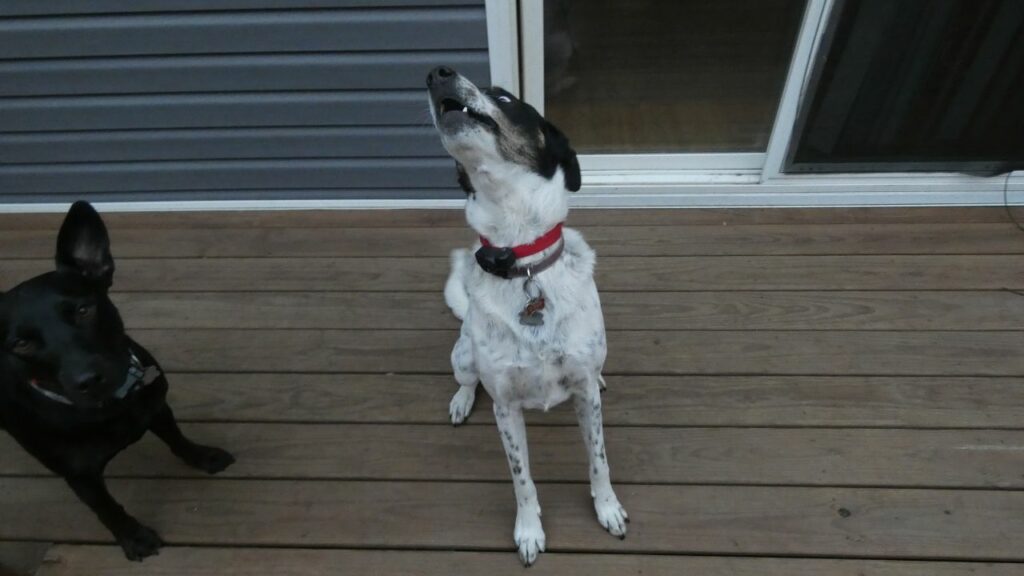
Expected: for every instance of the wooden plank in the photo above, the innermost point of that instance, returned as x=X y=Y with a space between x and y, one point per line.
x=631 y=274
x=257 y=310
x=21 y=558
x=630 y=400
x=300 y=350
x=853 y=353
x=107 y=560
x=262 y=273
x=578 y=217
x=772 y=240
x=720 y=456
x=1002 y=310
x=811 y=272
x=873 y=523
x=631 y=352
x=440 y=28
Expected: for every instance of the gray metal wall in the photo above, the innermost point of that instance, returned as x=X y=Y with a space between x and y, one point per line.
x=227 y=99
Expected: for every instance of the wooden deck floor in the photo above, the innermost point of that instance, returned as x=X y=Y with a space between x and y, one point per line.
x=791 y=393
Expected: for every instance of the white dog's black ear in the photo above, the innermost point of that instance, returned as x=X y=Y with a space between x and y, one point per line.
x=464 y=181
x=83 y=246
x=558 y=153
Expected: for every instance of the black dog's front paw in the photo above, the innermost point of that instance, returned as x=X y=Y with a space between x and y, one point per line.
x=139 y=542
x=209 y=459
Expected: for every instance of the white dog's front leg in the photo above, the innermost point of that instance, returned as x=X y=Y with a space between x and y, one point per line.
x=464 y=367
x=529 y=533
x=610 y=512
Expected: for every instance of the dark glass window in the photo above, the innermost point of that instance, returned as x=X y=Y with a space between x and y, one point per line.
x=916 y=85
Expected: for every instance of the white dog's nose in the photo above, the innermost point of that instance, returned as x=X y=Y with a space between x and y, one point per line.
x=439 y=76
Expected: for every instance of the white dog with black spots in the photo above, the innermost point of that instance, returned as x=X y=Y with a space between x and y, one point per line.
x=532 y=329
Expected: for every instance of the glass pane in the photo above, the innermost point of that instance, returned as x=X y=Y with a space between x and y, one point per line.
x=667 y=76
x=917 y=85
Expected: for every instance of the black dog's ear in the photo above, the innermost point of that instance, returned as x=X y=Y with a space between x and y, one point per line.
x=463 y=178
x=83 y=246
x=561 y=155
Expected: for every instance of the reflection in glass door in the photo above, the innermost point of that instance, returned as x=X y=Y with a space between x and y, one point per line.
x=916 y=85
x=658 y=76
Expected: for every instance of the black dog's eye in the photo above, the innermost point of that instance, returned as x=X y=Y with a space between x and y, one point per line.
x=22 y=346
x=504 y=99
x=85 y=311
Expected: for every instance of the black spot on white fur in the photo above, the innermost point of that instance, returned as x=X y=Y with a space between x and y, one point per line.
x=463 y=179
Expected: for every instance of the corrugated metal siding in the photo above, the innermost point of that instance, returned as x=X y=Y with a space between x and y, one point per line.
x=227 y=99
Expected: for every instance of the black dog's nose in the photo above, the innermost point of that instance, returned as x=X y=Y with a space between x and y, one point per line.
x=439 y=76
x=87 y=382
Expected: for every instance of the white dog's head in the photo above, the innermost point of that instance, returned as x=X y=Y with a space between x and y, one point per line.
x=497 y=140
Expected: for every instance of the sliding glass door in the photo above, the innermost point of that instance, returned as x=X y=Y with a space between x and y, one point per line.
x=776 y=102
x=780 y=87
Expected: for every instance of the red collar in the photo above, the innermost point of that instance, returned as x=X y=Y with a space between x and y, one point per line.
x=547 y=240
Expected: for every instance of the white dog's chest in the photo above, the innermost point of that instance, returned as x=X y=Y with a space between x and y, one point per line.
x=536 y=367
x=536 y=387
x=528 y=373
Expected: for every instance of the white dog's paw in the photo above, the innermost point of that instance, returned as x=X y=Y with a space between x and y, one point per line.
x=612 y=515
x=462 y=404
x=529 y=536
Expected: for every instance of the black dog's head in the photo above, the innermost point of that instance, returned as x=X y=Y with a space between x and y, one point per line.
x=493 y=127
x=59 y=332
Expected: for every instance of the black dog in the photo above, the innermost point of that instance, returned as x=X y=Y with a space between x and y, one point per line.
x=75 y=390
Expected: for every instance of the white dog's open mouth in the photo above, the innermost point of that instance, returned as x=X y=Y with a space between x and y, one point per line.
x=453 y=109
x=453 y=105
